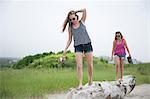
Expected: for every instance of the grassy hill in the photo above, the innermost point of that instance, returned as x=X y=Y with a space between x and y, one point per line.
x=51 y=60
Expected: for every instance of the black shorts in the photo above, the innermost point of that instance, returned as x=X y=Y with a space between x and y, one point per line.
x=84 y=48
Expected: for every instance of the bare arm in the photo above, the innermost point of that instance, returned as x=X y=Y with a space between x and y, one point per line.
x=69 y=40
x=83 y=15
x=126 y=46
x=113 y=48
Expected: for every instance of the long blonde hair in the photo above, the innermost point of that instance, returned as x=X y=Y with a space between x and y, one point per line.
x=67 y=20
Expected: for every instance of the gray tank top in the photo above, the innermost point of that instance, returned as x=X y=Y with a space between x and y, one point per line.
x=80 y=35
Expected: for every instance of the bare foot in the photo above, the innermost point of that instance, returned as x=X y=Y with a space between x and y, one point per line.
x=90 y=83
x=80 y=87
x=120 y=80
x=116 y=78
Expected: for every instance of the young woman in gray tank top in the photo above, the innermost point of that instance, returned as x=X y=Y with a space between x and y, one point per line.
x=82 y=42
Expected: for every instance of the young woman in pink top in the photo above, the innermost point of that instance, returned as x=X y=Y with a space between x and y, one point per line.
x=119 y=53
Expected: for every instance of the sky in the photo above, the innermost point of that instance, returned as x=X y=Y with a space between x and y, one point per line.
x=29 y=27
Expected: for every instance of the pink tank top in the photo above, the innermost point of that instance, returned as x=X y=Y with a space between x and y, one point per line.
x=119 y=48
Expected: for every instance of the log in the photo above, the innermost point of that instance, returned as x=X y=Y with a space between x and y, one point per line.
x=104 y=90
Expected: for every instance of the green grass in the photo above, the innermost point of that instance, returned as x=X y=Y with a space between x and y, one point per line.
x=34 y=82
x=140 y=71
x=31 y=83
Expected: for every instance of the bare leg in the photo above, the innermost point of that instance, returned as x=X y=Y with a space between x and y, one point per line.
x=117 y=63
x=121 y=67
x=89 y=59
x=79 y=67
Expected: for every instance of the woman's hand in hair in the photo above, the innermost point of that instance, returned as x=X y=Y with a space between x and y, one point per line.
x=72 y=12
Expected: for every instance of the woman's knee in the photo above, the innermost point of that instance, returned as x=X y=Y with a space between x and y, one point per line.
x=90 y=65
x=79 y=66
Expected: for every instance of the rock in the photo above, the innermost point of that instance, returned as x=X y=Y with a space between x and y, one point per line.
x=104 y=90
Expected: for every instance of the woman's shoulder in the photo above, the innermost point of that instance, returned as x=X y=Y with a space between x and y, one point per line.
x=123 y=40
x=114 y=42
x=81 y=21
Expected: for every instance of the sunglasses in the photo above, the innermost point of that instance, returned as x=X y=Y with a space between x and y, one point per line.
x=72 y=19
x=117 y=35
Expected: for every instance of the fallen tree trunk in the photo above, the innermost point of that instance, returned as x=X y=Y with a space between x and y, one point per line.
x=104 y=90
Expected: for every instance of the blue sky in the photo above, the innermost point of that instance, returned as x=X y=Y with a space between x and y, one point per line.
x=28 y=27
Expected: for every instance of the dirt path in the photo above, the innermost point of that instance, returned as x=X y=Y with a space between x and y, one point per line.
x=139 y=92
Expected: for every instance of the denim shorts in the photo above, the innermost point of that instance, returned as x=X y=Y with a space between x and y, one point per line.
x=120 y=56
x=84 y=48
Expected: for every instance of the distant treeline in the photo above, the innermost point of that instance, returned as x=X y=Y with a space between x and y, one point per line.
x=50 y=60
x=7 y=61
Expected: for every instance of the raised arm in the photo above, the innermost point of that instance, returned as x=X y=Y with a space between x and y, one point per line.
x=69 y=40
x=83 y=15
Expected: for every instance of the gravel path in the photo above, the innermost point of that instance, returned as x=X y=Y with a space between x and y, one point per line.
x=139 y=92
